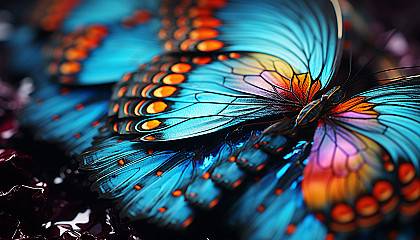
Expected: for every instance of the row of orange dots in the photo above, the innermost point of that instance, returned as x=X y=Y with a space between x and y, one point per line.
x=50 y=14
x=195 y=26
x=75 y=48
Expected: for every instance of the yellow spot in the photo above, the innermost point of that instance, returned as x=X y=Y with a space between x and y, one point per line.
x=151 y=124
x=156 y=107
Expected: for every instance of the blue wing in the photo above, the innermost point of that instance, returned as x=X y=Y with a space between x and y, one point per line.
x=305 y=34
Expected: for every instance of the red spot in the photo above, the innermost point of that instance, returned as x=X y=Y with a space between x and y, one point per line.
x=142 y=16
x=181 y=68
x=213 y=203
x=38 y=101
x=70 y=67
x=234 y=55
x=342 y=213
x=162 y=209
x=346 y=44
x=219 y=175
x=320 y=217
x=149 y=138
x=367 y=206
x=260 y=208
x=244 y=160
x=201 y=60
x=64 y=91
x=210 y=45
x=96 y=123
x=79 y=107
x=126 y=77
x=158 y=173
x=256 y=145
x=237 y=183
x=137 y=187
x=382 y=190
x=77 y=135
x=206 y=175
x=222 y=57
x=187 y=222
x=260 y=167
x=393 y=234
x=177 y=193
x=406 y=172
x=149 y=151
x=290 y=229
x=232 y=159
x=278 y=191
x=55 y=117
x=121 y=162
x=257 y=178
x=346 y=25
x=329 y=236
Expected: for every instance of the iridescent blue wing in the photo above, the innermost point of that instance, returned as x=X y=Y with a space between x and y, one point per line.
x=101 y=54
x=305 y=34
x=180 y=97
x=364 y=163
x=157 y=182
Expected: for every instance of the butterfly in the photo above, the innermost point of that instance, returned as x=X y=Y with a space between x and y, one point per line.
x=233 y=99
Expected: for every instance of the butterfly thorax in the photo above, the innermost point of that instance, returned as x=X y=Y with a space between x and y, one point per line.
x=315 y=109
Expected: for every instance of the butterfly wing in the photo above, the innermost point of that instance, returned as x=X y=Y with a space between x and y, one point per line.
x=364 y=163
x=171 y=94
x=306 y=34
x=82 y=57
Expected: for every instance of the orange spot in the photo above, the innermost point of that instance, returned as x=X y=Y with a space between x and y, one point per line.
x=234 y=55
x=342 y=213
x=290 y=229
x=232 y=159
x=406 y=172
x=164 y=91
x=127 y=127
x=98 y=31
x=150 y=124
x=329 y=236
x=149 y=151
x=410 y=210
x=158 y=173
x=96 y=123
x=149 y=138
x=121 y=162
x=260 y=167
x=196 y=12
x=412 y=191
x=77 y=135
x=237 y=183
x=260 y=208
x=87 y=42
x=181 y=68
x=115 y=108
x=388 y=166
x=185 y=45
x=70 y=67
x=201 y=60
x=181 y=32
x=174 y=78
x=162 y=209
x=218 y=175
x=115 y=127
x=367 y=206
x=390 y=205
x=79 y=107
x=385 y=157
x=169 y=45
x=163 y=34
x=187 y=222
x=206 y=175
x=126 y=77
x=166 y=22
x=183 y=20
x=203 y=34
x=76 y=54
x=122 y=91
x=177 y=193
x=222 y=57
x=193 y=195
x=382 y=190
x=55 y=117
x=156 y=107
x=206 y=21
x=244 y=160
x=213 y=203
x=137 y=187
x=210 y=45
x=278 y=191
